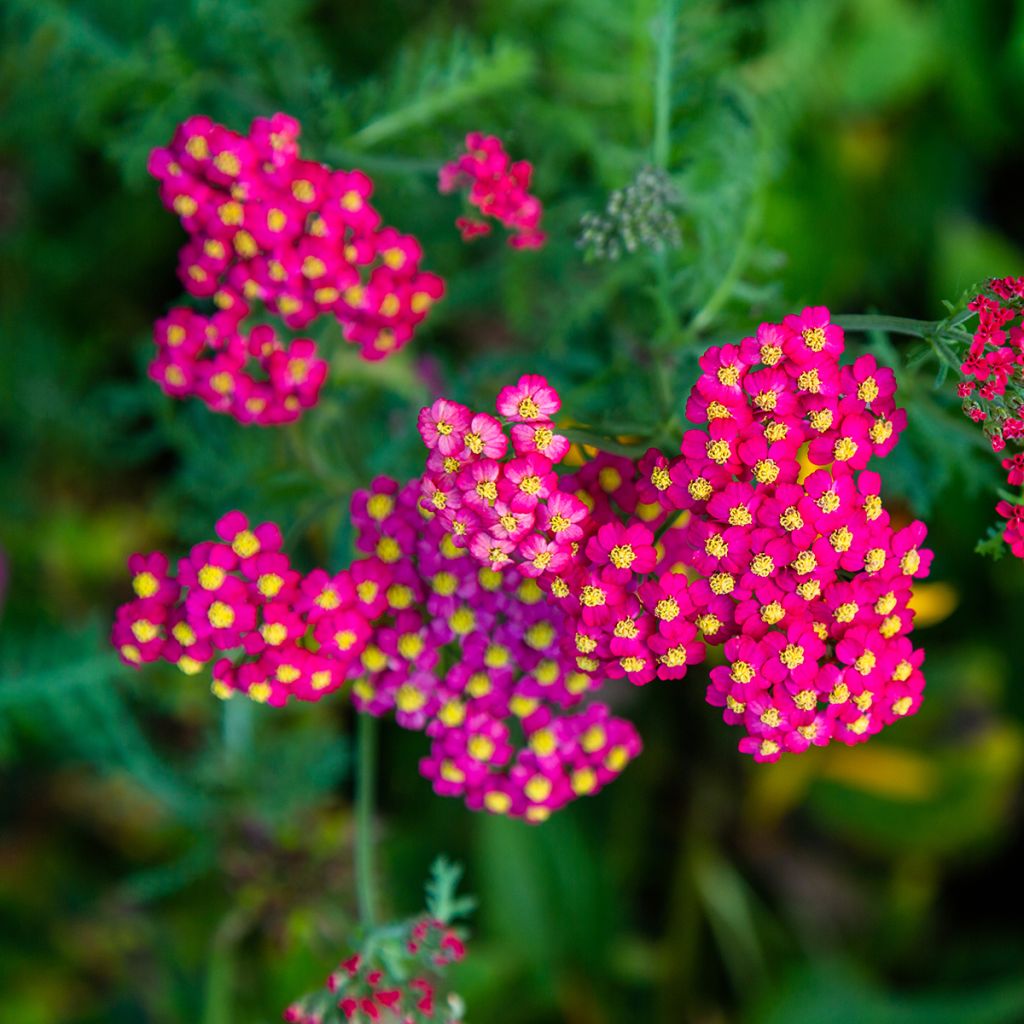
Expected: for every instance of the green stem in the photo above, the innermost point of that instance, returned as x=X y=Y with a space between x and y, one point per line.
x=366 y=779
x=720 y=296
x=864 y=322
x=934 y=332
x=665 y=27
x=237 y=731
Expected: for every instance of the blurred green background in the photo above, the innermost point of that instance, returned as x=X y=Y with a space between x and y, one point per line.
x=164 y=858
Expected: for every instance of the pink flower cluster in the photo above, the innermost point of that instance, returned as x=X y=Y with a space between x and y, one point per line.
x=363 y=989
x=470 y=656
x=473 y=657
x=267 y=225
x=498 y=188
x=209 y=358
x=298 y=635
x=993 y=387
x=738 y=541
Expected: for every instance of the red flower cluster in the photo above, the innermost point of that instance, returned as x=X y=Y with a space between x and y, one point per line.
x=209 y=358
x=795 y=569
x=362 y=990
x=498 y=188
x=993 y=386
x=302 y=238
x=299 y=635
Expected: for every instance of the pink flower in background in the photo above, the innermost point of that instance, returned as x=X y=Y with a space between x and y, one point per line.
x=267 y=227
x=498 y=188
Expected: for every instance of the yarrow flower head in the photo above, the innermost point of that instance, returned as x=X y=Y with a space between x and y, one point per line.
x=497 y=188
x=395 y=978
x=766 y=534
x=238 y=607
x=267 y=226
x=255 y=378
x=992 y=388
x=469 y=656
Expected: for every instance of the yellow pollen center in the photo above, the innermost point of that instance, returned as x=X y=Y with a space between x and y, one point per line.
x=481 y=748
x=868 y=390
x=722 y=583
x=741 y=672
x=792 y=656
x=211 y=577
x=700 y=489
x=809 y=381
x=844 y=449
x=814 y=338
x=528 y=409
x=719 y=452
x=716 y=546
x=221 y=615
x=145 y=584
x=806 y=700
x=791 y=519
x=739 y=515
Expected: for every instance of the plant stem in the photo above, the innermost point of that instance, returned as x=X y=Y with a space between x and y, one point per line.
x=237 y=731
x=665 y=42
x=934 y=332
x=366 y=779
x=864 y=322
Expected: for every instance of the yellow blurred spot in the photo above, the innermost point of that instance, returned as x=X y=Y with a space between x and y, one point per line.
x=891 y=772
x=933 y=602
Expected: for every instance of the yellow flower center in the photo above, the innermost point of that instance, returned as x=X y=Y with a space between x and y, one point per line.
x=809 y=381
x=844 y=449
x=622 y=556
x=792 y=656
x=814 y=338
x=719 y=452
x=741 y=672
x=700 y=488
x=221 y=615
x=145 y=584
x=806 y=700
x=868 y=390
x=660 y=478
x=722 y=583
x=528 y=409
